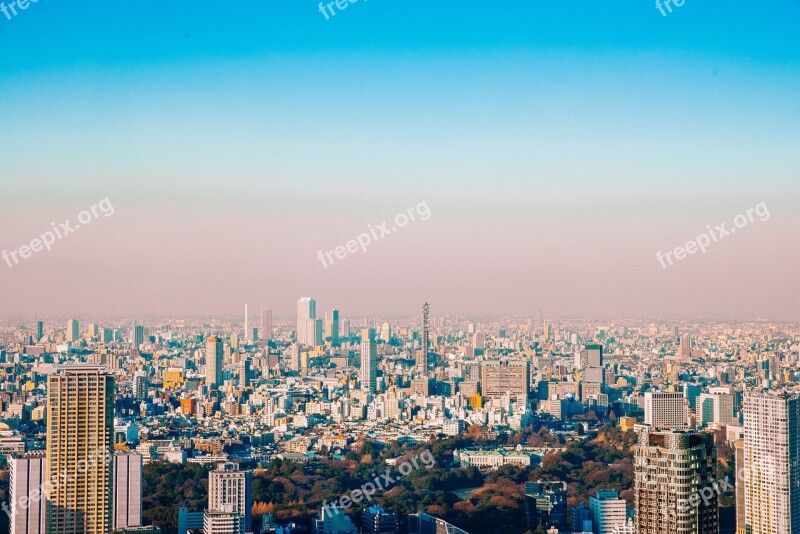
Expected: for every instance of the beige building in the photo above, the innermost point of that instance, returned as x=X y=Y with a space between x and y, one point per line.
x=78 y=470
x=499 y=378
x=214 y=362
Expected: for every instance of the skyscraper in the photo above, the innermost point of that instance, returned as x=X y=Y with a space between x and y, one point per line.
x=137 y=335
x=669 y=468
x=26 y=486
x=39 y=330
x=266 y=325
x=78 y=471
x=369 y=360
x=73 y=330
x=246 y=329
x=332 y=327
x=229 y=491
x=592 y=364
x=127 y=490
x=422 y=357
x=772 y=457
x=306 y=311
x=214 y=362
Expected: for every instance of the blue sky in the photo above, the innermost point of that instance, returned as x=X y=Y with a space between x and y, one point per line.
x=534 y=130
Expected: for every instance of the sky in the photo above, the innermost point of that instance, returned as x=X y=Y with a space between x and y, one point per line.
x=556 y=147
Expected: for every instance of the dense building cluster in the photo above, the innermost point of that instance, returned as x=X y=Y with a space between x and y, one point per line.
x=87 y=405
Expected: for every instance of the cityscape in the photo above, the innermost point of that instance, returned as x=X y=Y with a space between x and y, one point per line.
x=325 y=423
x=381 y=267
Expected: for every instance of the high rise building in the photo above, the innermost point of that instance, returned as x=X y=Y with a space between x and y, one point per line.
x=306 y=312
x=128 y=484
x=332 y=327
x=246 y=328
x=607 y=512
x=73 y=330
x=422 y=356
x=741 y=522
x=685 y=347
x=78 y=470
x=39 y=330
x=244 y=373
x=141 y=385
x=592 y=364
x=665 y=410
x=230 y=491
x=772 y=458
x=669 y=468
x=716 y=407
x=214 y=362
x=137 y=335
x=499 y=378
x=314 y=334
x=369 y=360
x=266 y=325
x=27 y=486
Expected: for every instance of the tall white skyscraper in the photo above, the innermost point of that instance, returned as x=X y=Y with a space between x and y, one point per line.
x=127 y=490
x=666 y=410
x=26 y=486
x=306 y=312
x=73 y=330
x=229 y=491
x=369 y=360
x=772 y=457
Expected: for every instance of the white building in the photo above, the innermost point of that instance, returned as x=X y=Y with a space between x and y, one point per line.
x=716 y=407
x=772 y=456
x=369 y=361
x=222 y=522
x=229 y=490
x=607 y=512
x=127 y=496
x=27 y=486
x=306 y=313
x=666 y=411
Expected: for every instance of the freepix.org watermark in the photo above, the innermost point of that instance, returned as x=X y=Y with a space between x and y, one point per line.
x=340 y=5
x=375 y=233
x=763 y=468
x=380 y=482
x=665 y=6
x=10 y=10
x=717 y=233
x=60 y=231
